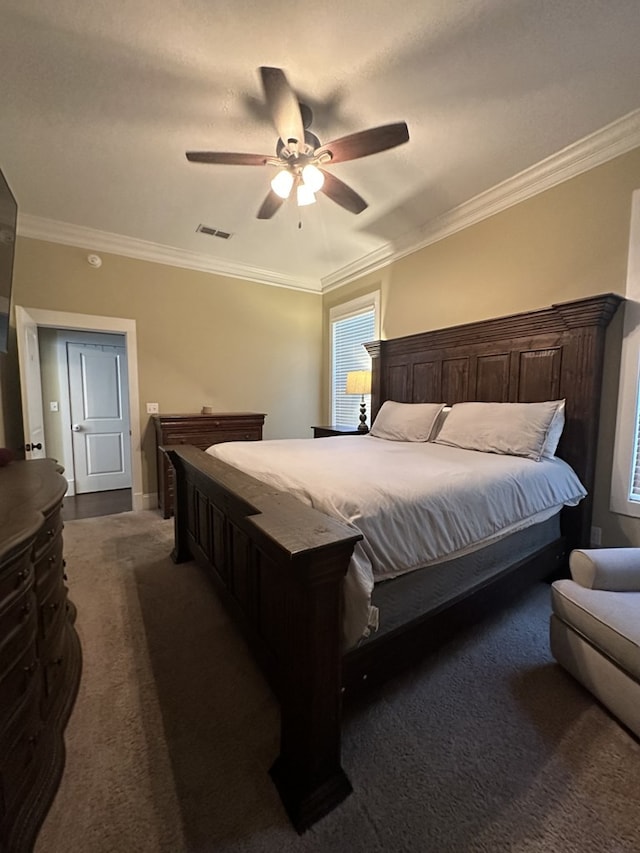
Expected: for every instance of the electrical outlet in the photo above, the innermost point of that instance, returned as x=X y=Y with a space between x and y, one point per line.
x=53 y=406
x=153 y=408
x=596 y=537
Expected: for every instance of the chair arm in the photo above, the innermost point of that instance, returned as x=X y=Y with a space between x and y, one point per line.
x=614 y=569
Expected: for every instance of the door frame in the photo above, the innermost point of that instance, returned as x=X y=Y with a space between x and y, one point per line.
x=118 y=325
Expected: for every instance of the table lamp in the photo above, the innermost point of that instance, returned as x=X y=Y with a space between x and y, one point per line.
x=359 y=382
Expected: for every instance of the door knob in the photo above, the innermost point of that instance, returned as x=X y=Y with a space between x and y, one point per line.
x=37 y=446
x=76 y=427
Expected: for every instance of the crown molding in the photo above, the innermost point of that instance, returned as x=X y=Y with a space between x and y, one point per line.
x=68 y=234
x=598 y=148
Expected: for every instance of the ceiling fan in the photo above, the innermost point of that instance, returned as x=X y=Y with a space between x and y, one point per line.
x=300 y=157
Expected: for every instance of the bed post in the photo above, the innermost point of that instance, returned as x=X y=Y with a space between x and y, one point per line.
x=280 y=567
x=180 y=552
x=308 y=773
x=373 y=348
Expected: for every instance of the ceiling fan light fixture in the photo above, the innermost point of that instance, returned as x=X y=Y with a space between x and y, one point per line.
x=299 y=153
x=312 y=177
x=282 y=183
x=305 y=195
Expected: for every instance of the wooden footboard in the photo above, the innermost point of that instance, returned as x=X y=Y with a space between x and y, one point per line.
x=279 y=567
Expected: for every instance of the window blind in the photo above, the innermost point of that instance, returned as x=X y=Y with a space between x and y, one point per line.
x=348 y=334
x=634 y=491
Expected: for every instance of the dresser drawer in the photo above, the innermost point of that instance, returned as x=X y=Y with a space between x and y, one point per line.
x=17 y=680
x=49 y=568
x=19 y=751
x=51 y=530
x=52 y=608
x=54 y=663
x=237 y=435
x=16 y=575
x=18 y=628
x=204 y=440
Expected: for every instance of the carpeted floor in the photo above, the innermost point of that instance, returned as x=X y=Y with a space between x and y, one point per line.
x=487 y=746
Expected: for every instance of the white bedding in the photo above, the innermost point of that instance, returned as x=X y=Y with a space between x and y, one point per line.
x=416 y=503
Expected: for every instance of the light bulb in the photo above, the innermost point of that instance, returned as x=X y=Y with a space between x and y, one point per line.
x=305 y=195
x=312 y=177
x=282 y=183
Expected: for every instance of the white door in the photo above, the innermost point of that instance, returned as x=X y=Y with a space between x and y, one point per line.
x=30 y=386
x=99 y=398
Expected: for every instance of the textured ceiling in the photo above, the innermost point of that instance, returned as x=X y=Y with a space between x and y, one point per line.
x=99 y=102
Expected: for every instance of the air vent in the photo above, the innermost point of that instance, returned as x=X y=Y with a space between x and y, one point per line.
x=213 y=232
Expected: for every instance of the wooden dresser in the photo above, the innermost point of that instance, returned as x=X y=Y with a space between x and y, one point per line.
x=40 y=656
x=202 y=431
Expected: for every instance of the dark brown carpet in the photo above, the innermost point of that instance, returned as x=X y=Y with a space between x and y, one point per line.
x=488 y=746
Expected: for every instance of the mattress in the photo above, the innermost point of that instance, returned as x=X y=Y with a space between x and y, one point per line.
x=411 y=595
x=416 y=503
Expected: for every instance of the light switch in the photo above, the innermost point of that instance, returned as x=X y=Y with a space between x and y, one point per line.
x=152 y=408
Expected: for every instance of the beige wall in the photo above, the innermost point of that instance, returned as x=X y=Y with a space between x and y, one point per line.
x=202 y=339
x=568 y=242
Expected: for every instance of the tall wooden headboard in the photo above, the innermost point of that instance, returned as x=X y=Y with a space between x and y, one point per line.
x=549 y=354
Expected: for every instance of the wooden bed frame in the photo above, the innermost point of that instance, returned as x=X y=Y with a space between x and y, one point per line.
x=279 y=565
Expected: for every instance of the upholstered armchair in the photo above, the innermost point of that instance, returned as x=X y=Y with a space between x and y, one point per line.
x=595 y=627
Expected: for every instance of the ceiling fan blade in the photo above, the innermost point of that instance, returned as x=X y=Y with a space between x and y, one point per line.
x=342 y=194
x=365 y=142
x=227 y=159
x=270 y=205
x=283 y=104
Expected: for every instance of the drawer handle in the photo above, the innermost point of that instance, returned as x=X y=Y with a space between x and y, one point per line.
x=52 y=559
x=54 y=606
x=26 y=608
x=21 y=576
x=51 y=532
x=31 y=668
x=57 y=661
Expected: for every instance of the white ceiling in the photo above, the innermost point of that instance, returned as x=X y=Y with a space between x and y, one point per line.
x=100 y=100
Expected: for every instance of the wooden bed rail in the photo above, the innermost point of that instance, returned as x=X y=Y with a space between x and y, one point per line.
x=279 y=566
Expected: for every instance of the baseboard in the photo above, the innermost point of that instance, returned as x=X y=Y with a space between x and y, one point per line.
x=145 y=501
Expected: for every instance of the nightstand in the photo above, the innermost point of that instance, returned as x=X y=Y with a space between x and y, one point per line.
x=326 y=431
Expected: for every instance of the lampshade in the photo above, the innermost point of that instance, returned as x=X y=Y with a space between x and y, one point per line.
x=282 y=183
x=358 y=382
x=305 y=195
x=312 y=177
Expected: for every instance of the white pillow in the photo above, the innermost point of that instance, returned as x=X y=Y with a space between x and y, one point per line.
x=439 y=421
x=515 y=429
x=405 y=421
x=555 y=431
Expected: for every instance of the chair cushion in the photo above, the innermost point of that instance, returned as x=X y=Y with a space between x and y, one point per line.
x=609 y=620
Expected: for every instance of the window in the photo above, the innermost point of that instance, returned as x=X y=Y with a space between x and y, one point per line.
x=352 y=324
x=625 y=481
